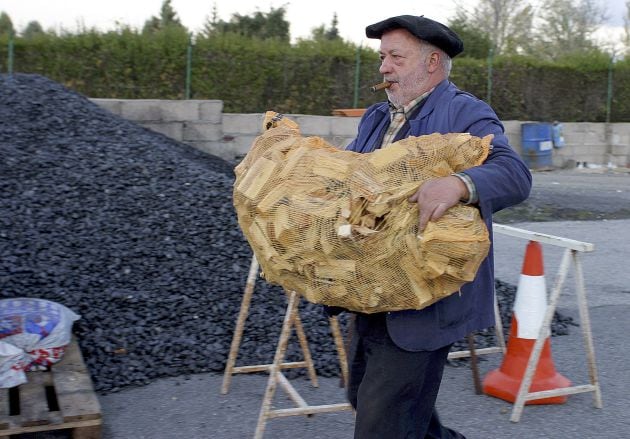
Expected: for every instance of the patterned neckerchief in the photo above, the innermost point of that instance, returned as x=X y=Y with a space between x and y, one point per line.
x=398 y=117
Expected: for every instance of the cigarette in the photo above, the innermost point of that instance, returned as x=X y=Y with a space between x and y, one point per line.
x=383 y=85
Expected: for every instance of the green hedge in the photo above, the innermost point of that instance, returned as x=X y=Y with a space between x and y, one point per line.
x=309 y=77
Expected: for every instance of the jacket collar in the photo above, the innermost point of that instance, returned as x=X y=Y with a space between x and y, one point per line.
x=434 y=98
x=380 y=113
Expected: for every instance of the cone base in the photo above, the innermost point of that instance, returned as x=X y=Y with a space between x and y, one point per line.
x=505 y=387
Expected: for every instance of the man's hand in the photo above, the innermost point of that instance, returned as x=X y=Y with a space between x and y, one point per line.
x=434 y=197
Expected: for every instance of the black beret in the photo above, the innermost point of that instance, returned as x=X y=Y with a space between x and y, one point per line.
x=424 y=28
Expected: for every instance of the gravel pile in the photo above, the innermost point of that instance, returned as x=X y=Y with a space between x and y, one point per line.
x=137 y=234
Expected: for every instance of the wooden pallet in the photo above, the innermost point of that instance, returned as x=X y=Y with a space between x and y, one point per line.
x=62 y=398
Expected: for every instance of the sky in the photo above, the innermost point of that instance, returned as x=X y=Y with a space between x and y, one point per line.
x=303 y=15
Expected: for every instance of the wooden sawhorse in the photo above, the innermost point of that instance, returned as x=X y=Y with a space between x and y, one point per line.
x=572 y=252
x=291 y=320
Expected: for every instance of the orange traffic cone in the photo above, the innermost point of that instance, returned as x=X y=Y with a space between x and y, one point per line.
x=527 y=318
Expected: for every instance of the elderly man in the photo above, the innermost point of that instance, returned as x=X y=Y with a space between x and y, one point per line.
x=397 y=358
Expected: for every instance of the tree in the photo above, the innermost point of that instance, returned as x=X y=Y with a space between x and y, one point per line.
x=567 y=27
x=32 y=29
x=477 y=43
x=168 y=18
x=263 y=25
x=211 y=25
x=324 y=33
x=327 y=33
x=626 y=28
x=507 y=23
x=6 y=25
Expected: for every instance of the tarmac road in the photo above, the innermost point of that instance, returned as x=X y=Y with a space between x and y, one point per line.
x=564 y=195
x=193 y=408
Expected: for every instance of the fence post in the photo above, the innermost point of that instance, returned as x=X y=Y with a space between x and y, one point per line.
x=10 y=54
x=608 y=129
x=188 y=66
x=489 y=84
x=610 y=87
x=357 y=75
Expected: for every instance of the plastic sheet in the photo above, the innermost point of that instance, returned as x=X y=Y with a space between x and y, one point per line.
x=33 y=336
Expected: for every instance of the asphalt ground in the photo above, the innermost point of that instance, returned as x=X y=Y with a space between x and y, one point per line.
x=192 y=407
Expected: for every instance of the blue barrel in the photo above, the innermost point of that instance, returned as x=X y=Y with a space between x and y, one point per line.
x=537 y=143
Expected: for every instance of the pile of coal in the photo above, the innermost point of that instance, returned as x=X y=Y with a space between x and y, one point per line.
x=137 y=234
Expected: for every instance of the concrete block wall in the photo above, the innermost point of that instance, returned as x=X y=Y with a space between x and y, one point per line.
x=240 y=130
x=202 y=124
x=596 y=143
x=586 y=142
x=196 y=122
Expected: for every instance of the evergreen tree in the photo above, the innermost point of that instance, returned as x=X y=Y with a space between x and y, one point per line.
x=6 y=25
x=211 y=25
x=322 y=32
x=333 y=32
x=168 y=16
x=168 y=19
x=33 y=29
x=263 y=25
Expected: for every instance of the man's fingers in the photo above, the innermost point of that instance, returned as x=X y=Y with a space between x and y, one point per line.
x=423 y=219
x=439 y=210
x=431 y=212
x=435 y=197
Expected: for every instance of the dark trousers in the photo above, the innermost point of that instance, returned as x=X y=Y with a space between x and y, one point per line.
x=392 y=390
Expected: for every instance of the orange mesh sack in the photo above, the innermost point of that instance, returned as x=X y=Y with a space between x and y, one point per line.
x=336 y=227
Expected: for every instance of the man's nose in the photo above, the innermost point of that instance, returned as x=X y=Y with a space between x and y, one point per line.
x=385 y=67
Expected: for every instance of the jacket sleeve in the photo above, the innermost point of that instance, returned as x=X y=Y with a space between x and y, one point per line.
x=503 y=180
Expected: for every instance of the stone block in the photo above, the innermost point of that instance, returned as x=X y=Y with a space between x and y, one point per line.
x=174 y=130
x=211 y=111
x=313 y=125
x=241 y=144
x=340 y=141
x=179 y=110
x=344 y=126
x=219 y=149
x=249 y=124
x=590 y=153
x=112 y=105
x=141 y=110
x=620 y=149
x=202 y=131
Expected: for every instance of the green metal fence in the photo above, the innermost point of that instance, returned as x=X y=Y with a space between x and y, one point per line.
x=313 y=82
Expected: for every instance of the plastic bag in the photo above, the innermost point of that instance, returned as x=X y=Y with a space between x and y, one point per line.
x=33 y=336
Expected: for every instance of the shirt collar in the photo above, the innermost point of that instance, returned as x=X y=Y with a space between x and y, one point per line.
x=410 y=107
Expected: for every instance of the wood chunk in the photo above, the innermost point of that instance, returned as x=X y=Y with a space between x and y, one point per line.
x=382 y=158
x=256 y=177
x=259 y=235
x=337 y=269
x=330 y=167
x=272 y=198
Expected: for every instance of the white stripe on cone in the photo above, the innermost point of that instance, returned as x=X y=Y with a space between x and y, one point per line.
x=530 y=305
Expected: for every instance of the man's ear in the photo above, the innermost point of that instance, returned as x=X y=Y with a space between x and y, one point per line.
x=434 y=61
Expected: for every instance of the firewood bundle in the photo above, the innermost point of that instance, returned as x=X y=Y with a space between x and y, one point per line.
x=336 y=226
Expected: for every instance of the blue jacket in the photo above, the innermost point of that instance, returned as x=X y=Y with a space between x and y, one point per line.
x=502 y=180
